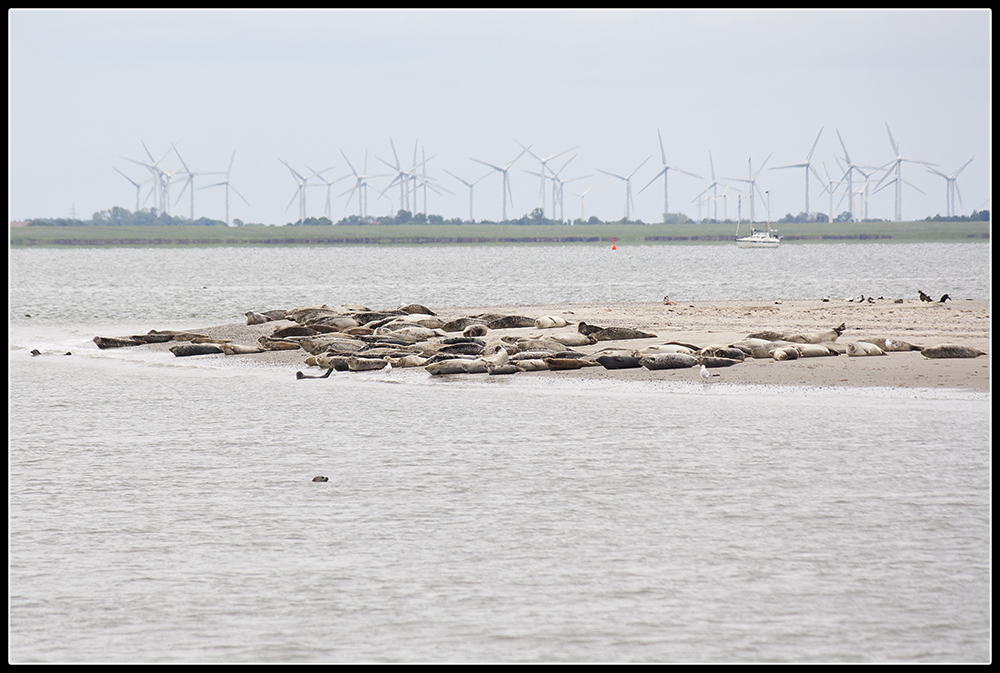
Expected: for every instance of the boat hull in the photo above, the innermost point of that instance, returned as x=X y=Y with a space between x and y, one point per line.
x=758 y=239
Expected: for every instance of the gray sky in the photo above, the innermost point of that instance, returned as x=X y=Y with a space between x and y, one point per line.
x=89 y=87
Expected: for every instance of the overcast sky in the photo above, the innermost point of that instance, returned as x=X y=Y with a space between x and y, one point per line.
x=87 y=88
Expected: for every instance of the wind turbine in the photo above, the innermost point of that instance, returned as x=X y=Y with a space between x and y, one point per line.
x=506 y=179
x=896 y=163
x=329 y=184
x=541 y=186
x=808 y=167
x=664 y=172
x=831 y=187
x=559 y=191
x=189 y=181
x=228 y=186
x=851 y=167
x=137 y=185
x=751 y=179
x=470 y=185
x=583 y=212
x=161 y=179
x=952 y=186
x=713 y=186
x=361 y=184
x=628 y=184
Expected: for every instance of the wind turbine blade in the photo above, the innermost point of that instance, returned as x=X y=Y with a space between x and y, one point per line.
x=496 y=168
x=816 y=173
x=809 y=156
x=349 y=164
x=761 y=167
x=892 y=141
x=396 y=156
x=844 y=147
x=611 y=174
x=686 y=173
x=239 y=195
x=907 y=182
x=457 y=178
x=231 y=159
x=955 y=174
x=654 y=179
x=959 y=192
x=663 y=155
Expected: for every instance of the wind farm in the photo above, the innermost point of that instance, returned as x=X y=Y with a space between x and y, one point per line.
x=854 y=188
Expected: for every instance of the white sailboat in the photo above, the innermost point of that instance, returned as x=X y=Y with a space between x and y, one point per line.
x=757 y=238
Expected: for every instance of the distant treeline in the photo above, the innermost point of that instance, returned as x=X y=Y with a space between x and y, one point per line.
x=121 y=217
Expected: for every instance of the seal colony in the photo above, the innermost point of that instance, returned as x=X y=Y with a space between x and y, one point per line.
x=576 y=340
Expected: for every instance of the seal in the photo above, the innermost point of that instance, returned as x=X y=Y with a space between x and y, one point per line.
x=863 y=348
x=474 y=330
x=892 y=345
x=556 y=364
x=668 y=361
x=707 y=361
x=550 y=321
x=184 y=350
x=816 y=337
x=300 y=375
x=621 y=334
x=619 y=361
x=321 y=479
x=781 y=354
x=951 y=351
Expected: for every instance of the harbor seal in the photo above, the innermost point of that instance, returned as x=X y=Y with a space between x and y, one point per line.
x=320 y=479
x=717 y=362
x=184 y=350
x=668 y=361
x=300 y=375
x=474 y=330
x=863 y=348
x=781 y=354
x=621 y=334
x=892 y=345
x=951 y=351
x=816 y=337
x=550 y=321
x=619 y=361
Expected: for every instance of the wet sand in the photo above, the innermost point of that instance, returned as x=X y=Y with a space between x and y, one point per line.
x=719 y=323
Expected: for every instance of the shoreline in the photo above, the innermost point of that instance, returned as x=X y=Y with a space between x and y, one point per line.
x=706 y=323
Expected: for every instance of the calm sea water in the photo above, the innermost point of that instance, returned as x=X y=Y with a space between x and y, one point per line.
x=161 y=509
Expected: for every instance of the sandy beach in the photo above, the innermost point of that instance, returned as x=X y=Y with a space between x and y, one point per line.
x=704 y=324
